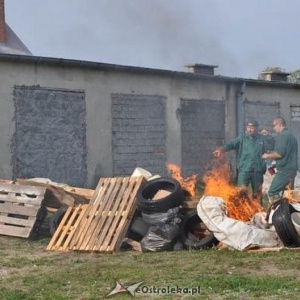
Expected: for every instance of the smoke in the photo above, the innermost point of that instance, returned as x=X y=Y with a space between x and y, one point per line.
x=156 y=33
x=242 y=38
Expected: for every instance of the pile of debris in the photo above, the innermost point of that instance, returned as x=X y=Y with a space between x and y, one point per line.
x=148 y=213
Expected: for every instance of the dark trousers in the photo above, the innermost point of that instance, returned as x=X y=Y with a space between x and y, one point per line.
x=281 y=180
x=255 y=179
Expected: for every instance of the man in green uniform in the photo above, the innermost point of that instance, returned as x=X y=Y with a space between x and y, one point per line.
x=286 y=156
x=251 y=167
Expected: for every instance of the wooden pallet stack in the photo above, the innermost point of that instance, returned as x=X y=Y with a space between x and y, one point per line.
x=21 y=210
x=102 y=224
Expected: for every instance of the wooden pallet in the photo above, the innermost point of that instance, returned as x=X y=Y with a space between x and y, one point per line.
x=20 y=209
x=103 y=223
x=65 y=231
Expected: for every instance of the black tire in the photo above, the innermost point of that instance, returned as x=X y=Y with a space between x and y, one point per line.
x=37 y=228
x=283 y=224
x=194 y=234
x=56 y=219
x=147 y=192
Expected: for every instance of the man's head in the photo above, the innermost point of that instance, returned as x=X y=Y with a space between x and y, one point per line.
x=279 y=124
x=251 y=128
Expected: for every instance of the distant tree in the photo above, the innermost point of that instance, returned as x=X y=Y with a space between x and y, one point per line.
x=294 y=77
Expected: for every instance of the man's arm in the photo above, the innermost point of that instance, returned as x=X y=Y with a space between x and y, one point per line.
x=232 y=145
x=272 y=155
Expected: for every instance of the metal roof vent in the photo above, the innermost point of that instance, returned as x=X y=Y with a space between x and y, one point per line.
x=274 y=76
x=201 y=69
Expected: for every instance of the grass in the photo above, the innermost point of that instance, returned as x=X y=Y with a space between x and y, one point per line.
x=29 y=272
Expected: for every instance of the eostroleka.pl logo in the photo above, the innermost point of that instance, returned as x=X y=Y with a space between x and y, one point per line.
x=136 y=288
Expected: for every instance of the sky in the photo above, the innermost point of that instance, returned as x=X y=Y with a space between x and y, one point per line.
x=241 y=37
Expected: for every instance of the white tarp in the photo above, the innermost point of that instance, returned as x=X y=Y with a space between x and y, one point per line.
x=235 y=234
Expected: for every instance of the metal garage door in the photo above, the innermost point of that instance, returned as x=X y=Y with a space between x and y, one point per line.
x=139 y=133
x=50 y=137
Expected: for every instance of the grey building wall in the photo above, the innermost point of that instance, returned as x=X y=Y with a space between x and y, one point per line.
x=97 y=106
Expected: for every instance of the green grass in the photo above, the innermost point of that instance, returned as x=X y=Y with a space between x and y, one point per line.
x=29 y=272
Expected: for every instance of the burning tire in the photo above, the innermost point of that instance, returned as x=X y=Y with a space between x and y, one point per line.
x=283 y=224
x=171 y=195
x=56 y=219
x=194 y=233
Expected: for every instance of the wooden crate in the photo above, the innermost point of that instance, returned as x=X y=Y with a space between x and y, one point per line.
x=103 y=223
x=21 y=211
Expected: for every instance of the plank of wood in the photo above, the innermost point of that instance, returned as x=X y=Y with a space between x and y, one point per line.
x=15 y=230
x=259 y=250
x=8 y=207
x=16 y=221
x=87 y=193
x=21 y=198
x=24 y=189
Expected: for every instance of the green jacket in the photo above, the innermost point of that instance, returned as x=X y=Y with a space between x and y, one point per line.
x=249 y=152
x=286 y=145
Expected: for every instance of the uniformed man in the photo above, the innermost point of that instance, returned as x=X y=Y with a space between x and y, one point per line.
x=286 y=156
x=251 y=167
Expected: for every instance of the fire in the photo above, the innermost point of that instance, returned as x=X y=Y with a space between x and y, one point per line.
x=290 y=195
x=188 y=184
x=217 y=183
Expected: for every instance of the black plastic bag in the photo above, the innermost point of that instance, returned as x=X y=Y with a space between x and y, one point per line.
x=160 y=237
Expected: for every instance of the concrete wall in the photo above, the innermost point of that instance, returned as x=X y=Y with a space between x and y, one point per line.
x=111 y=119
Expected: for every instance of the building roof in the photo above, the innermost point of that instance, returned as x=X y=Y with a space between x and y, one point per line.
x=52 y=61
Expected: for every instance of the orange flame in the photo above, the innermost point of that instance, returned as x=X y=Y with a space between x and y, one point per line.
x=188 y=184
x=217 y=183
x=290 y=195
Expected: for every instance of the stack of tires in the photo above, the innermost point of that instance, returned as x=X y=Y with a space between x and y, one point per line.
x=159 y=215
x=160 y=225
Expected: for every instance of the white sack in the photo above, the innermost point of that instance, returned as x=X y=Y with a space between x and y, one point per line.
x=235 y=234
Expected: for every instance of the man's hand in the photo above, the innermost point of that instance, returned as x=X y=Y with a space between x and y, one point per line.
x=265 y=156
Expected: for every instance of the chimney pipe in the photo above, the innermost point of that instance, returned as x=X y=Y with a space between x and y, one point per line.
x=2 y=22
